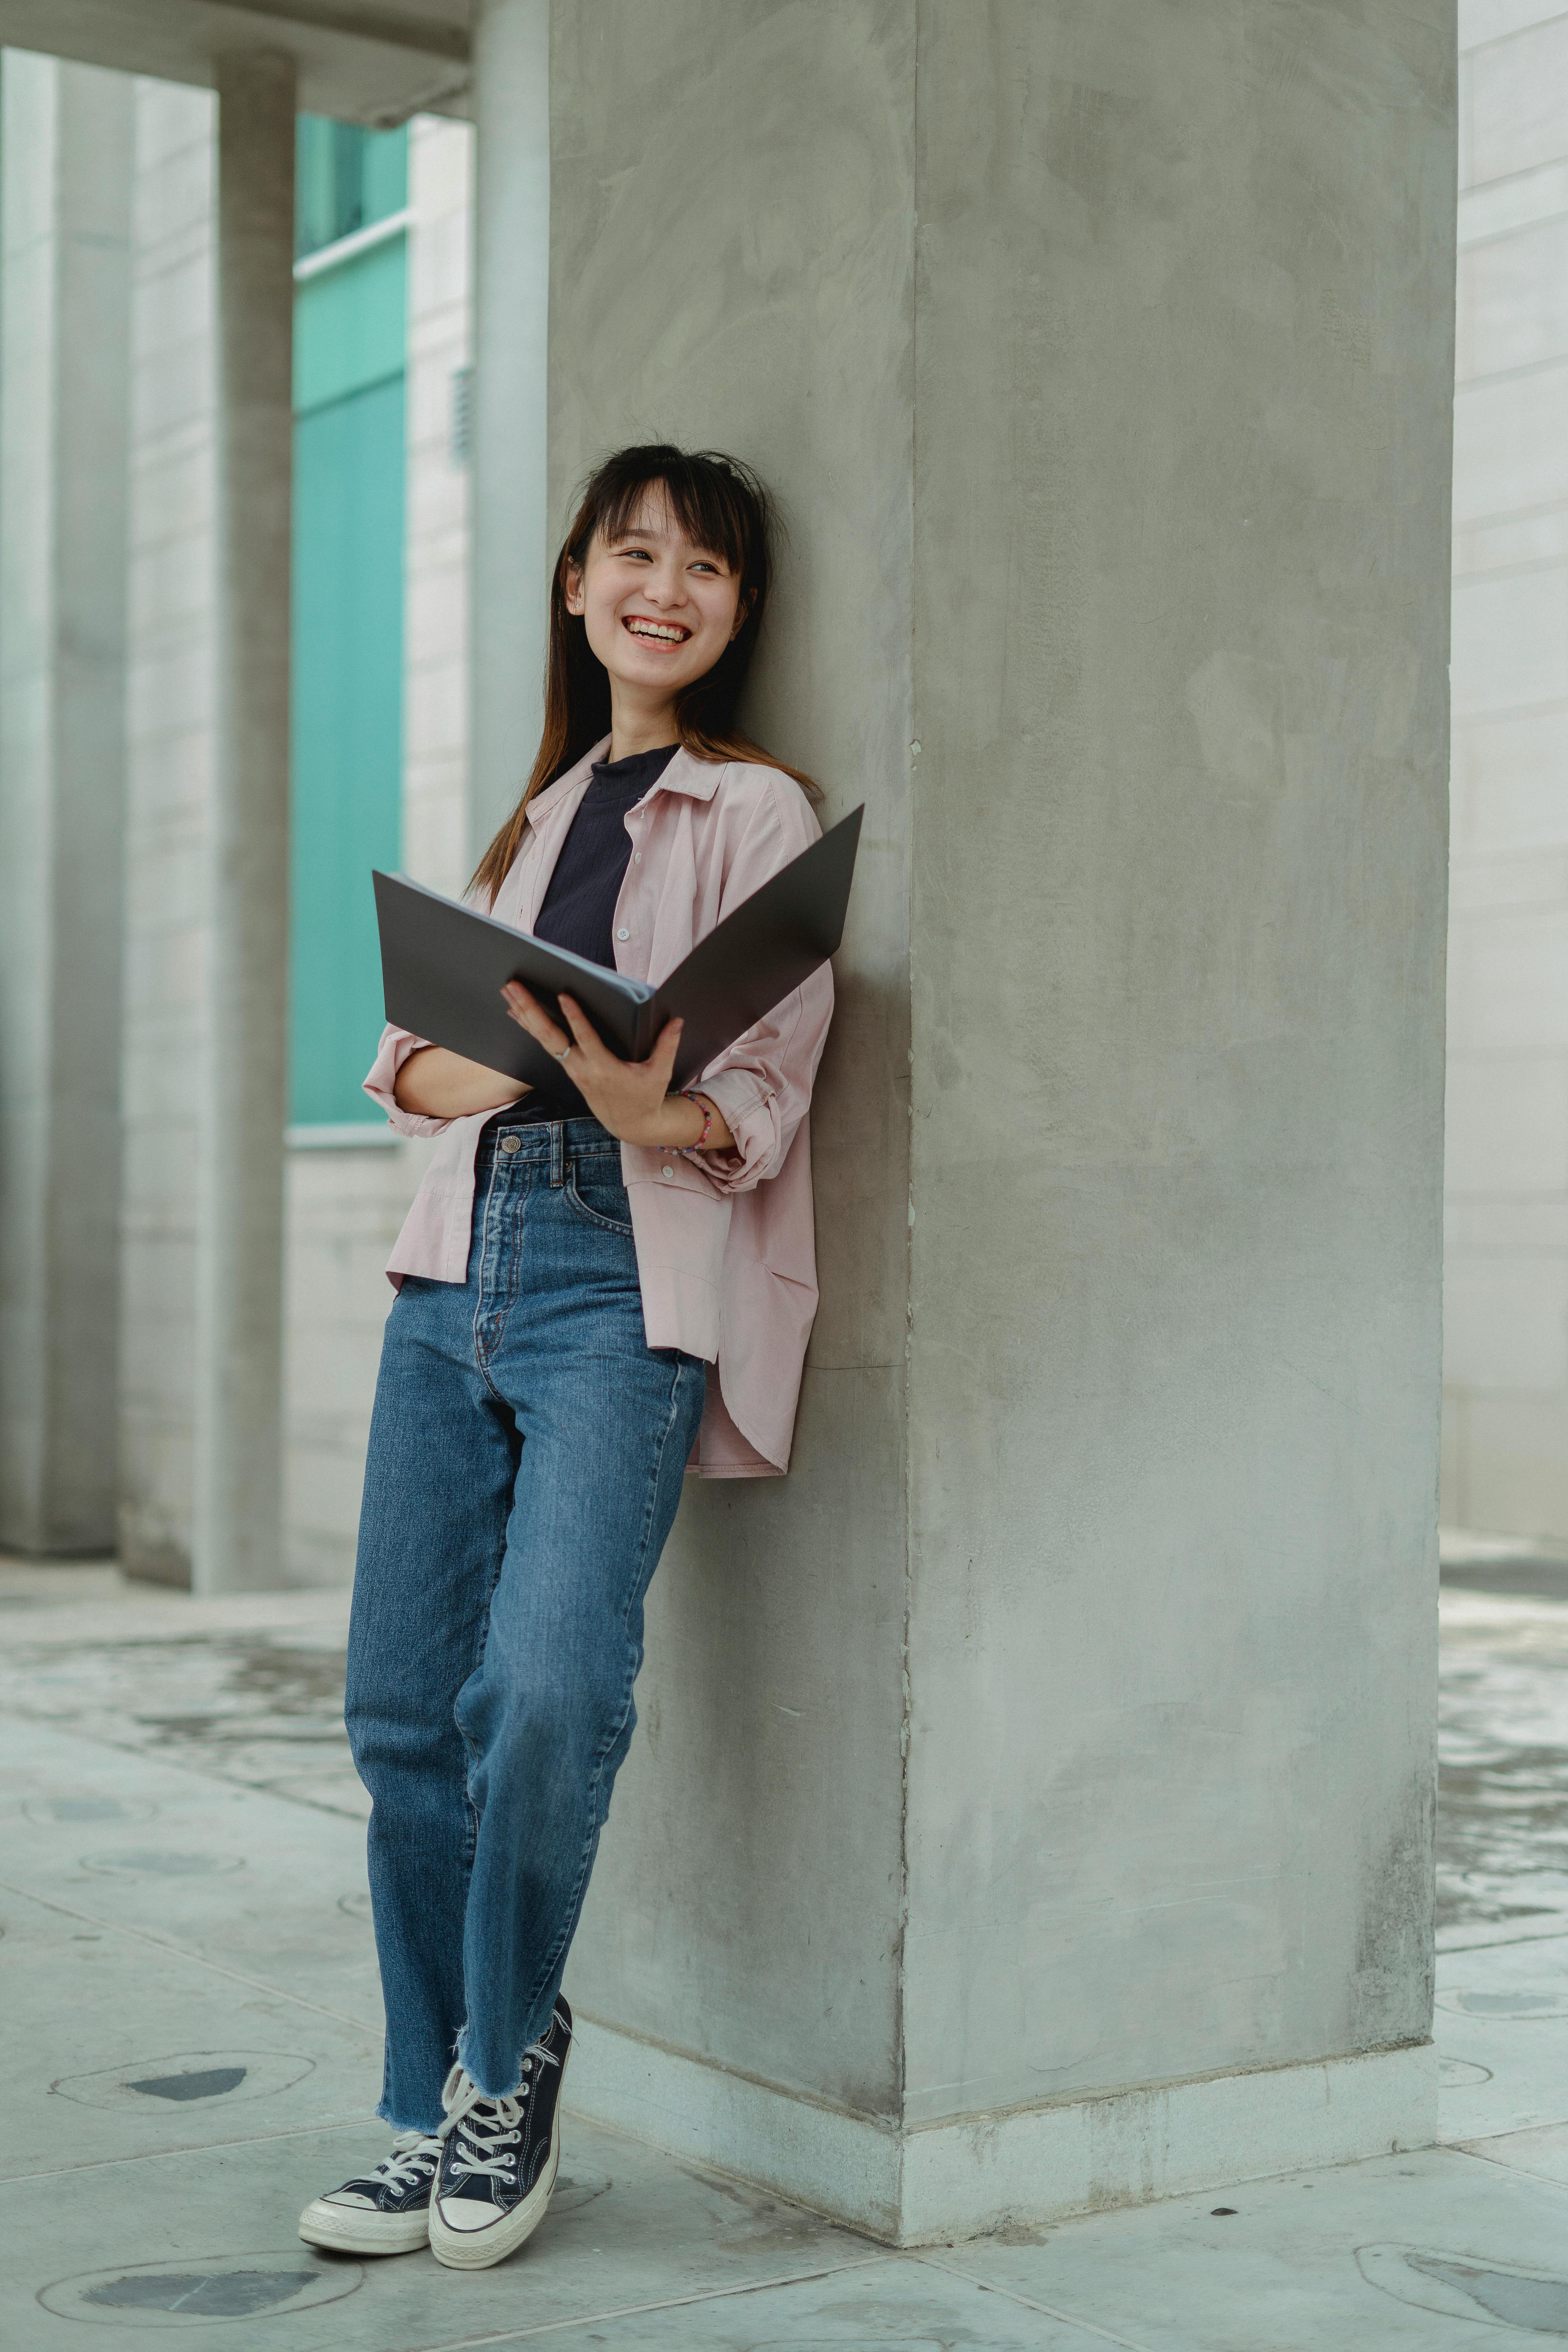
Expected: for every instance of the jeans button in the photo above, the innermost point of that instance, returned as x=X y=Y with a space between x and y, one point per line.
x=512 y=1143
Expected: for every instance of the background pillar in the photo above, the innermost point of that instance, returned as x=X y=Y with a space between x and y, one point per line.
x=65 y=203
x=239 y=1271
x=511 y=546
x=1033 y=1804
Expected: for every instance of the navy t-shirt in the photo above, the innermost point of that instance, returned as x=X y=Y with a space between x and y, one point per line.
x=579 y=907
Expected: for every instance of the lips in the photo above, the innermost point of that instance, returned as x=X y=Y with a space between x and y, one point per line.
x=655 y=633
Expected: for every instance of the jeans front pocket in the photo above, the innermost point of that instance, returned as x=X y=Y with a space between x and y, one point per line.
x=595 y=1190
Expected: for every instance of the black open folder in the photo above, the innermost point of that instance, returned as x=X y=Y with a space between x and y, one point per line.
x=444 y=966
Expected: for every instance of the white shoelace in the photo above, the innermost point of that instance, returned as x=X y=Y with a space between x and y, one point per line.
x=488 y=2131
x=413 y=2155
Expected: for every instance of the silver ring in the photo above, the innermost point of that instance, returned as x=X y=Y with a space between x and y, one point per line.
x=560 y=1056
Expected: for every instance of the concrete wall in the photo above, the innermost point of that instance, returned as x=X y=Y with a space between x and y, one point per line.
x=748 y=1905
x=343 y=1206
x=1063 y=1725
x=1180 y=456
x=65 y=154
x=1506 y=1420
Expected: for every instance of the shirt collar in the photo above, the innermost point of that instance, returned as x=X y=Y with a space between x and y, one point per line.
x=698 y=778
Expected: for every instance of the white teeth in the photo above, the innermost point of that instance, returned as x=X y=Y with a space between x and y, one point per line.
x=653 y=629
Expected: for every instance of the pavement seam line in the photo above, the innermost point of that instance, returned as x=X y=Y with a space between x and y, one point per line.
x=1029 y=2303
x=192 y=1769
x=1510 y=2131
x=184 y=1952
x=189 y=2147
x=1504 y=1944
x=1480 y=2156
x=670 y=2303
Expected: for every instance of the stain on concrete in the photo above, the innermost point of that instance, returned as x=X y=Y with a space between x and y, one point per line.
x=147 y=1861
x=1504 y=1820
x=1462 y=2074
x=262 y=1689
x=213 y=2082
x=1527 y=2000
x=1391 y=1991
x=259 y=1708
x=230 y=2294
x=1471 y=2286
x=1517 y=2298
x=944 y=2343
x=166 y=2295
x=1502 y=1816
x=89 y=1809
x=186 y=2078
x=575 y=2189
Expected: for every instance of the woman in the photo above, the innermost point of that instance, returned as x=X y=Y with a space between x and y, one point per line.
x=585 y=1304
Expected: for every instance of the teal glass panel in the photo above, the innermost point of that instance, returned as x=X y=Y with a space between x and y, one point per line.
x=351 y=324
x=347 y=740
x=345 y=178
x=384 y=175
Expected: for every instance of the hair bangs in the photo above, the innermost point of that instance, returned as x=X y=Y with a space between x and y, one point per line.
x=719 y=505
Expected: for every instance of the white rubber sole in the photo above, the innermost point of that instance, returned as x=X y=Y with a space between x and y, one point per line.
x=476 y=2250
x=343 y=2229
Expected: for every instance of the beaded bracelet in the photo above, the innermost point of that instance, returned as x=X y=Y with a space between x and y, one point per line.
x=707 y=1110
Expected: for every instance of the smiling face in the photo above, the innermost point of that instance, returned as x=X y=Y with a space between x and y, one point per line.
x=658 y=609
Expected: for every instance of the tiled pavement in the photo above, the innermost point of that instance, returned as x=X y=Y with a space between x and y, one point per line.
x=190 y=2050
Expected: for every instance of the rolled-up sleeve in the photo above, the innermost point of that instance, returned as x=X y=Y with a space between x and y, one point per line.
x=396 y=1045
x=763 y=1083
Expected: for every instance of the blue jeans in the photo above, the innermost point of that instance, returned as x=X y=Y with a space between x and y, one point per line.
x=526 y=1455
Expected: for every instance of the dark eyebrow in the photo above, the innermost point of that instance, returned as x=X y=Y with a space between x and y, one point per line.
x=640 y=531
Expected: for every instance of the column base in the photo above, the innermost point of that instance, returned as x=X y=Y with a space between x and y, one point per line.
x=1019 y=2165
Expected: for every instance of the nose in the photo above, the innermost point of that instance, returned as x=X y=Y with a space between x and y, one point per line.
x=668 y=584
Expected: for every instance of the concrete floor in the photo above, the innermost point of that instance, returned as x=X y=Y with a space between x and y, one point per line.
x=191 y=2051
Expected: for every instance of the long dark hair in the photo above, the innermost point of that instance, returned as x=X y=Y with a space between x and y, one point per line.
x=721 y=505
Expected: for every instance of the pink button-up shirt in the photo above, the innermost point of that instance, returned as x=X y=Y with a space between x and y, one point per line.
x=726 y=1249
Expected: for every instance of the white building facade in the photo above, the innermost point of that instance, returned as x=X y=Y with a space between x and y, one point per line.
x=1505 y=1465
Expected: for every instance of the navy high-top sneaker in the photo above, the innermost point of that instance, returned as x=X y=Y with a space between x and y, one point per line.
x=386 y=2211
x=499 y=2156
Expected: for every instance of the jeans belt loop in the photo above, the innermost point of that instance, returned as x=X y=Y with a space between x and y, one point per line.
x=557 y=1154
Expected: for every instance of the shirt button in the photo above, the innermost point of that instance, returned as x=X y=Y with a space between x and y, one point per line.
x=667 y=1169
x=637 y=857
x=622 y=933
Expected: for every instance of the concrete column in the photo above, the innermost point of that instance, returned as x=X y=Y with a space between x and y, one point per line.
x=512 y=304
x=1033 y=1804
x=237 y=1508
x=65 y=179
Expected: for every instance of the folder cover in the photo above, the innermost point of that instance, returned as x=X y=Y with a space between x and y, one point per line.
x=444 y=966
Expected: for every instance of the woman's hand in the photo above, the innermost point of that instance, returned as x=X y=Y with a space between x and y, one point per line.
x=632 y=1099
